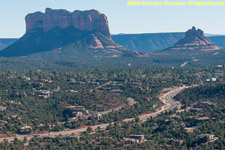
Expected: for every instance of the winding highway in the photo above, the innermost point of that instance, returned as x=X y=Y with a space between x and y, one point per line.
x=166 y=98
x=169 y=102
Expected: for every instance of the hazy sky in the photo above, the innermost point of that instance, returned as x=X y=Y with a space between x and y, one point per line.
x=122 y=18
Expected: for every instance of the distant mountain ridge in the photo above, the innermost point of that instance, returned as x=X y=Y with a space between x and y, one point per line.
x=218 y=40
x=5 y=42
x=148 y=42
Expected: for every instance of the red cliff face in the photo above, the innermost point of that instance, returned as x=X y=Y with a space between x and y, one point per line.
x=195 y=39
x=90 y=20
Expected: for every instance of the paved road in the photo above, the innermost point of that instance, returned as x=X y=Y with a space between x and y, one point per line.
x=166 y=98
x=169 y=98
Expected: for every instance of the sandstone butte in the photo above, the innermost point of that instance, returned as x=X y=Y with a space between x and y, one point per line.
x=90 y=20
x=195 y=39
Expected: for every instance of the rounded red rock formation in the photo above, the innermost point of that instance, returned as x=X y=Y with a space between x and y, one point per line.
x=195 y=39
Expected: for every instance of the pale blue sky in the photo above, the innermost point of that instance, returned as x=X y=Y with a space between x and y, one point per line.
x=122 y=18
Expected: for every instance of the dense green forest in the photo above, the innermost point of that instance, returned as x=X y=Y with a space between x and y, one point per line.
x=37 y=102
x=167 y=131
x=86 y=88
x=73 y=58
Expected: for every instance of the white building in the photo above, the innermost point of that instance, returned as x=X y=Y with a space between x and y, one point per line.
x=213 y=79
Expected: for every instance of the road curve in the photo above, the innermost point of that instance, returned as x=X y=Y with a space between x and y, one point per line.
x=166 y=98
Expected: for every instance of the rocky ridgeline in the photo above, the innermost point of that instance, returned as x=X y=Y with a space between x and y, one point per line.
x=90 y=20
x=195 y=39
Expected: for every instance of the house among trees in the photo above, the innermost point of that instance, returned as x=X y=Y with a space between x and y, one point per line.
x=203 y=104
x=205 y=118
x=96 y=116
x=43 y=93
x=25 y=129
x=26 y=78
x=213 y=79
x=77 y=110
x=178 y=142
x=77 y=114
x=207 y=80
x=135 y=138
x=204 y=138
x=3 y=123
x=2 y=108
